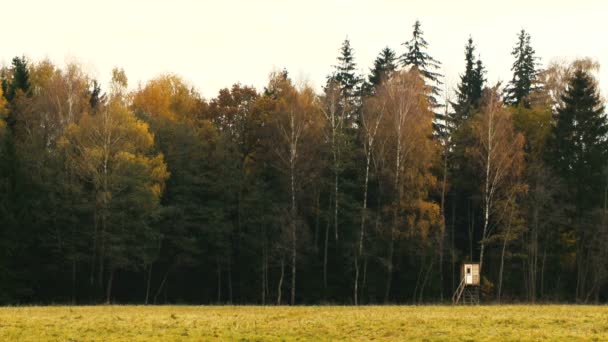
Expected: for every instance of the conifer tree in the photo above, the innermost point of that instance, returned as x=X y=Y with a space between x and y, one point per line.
x=578 y=152
x=524 y=72
x=578 y=149
x=344 y=72
x=21 y=78
x=470 y=87
x=97 y=98
x=417 y=56
x=384 y=65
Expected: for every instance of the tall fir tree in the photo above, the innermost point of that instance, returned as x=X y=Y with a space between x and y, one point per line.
x=470 y=87
x=525 y=72
x=384 y=65
x=417 y=56
x=344 y=72
x=578 y=143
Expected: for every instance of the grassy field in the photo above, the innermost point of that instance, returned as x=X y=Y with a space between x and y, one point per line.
x=311 y=323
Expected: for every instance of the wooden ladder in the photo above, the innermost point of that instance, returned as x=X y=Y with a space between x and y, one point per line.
x=458 y=294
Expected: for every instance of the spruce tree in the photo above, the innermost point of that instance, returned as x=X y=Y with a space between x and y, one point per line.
x=578 y=144
x=416 y=56
x=470 y=87
x=384 y=65
x=344 y=72
x=20 y=78
x=478 y=83
x=524 y=72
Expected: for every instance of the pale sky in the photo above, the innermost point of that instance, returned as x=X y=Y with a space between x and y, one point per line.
x=213 y=44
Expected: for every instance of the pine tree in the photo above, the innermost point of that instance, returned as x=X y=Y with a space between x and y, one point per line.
x=384 y=65
x=524 y=72
x=470 y=87
x=578 y=150
x=416 y=56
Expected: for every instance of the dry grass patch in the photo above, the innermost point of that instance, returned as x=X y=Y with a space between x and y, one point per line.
x=307 y=323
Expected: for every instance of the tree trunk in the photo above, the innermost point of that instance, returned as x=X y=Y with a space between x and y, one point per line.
x=502 y=264
x=443 y=220
x=73 y=280
x=452 y=247
x=326 y=251
x=426 y=278
x=293 y=237
x=109 y=287
x=486 y=194
x=148 y=281
x=162 y=284
x=280 y=286
x=229 y=282
x=542 y=274
x=219 y=281
x=359 y=252
x=336 y=200
x=397 y=205
x=317 y=219
x=264 y=276
x=389 y=270
x=504 y=249
x=94 y=256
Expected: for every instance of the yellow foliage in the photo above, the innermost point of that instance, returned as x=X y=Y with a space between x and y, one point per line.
x=41 y=74
x=2 y=105
x=111 y=142
x=166 y=97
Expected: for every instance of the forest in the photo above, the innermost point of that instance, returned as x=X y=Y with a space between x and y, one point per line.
x=373 y=189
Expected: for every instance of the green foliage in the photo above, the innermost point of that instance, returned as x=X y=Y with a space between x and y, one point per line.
x=469 y=90
x=345 y=73
x=158 y=195
x=417 y=56
x=525 y=72
x=384 y=66
x=578 y=150
x=20 y=81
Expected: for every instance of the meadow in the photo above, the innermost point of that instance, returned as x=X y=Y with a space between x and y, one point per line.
x=305 y=323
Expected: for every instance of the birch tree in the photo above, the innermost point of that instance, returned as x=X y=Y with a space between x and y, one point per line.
x=112 y=151
x=499 y=153
x=372 y=114
x=296 y=117
x=407 y=131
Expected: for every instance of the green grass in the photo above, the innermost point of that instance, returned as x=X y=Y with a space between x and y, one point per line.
x=307 y=323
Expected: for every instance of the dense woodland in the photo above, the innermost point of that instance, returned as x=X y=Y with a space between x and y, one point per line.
x=373 y=189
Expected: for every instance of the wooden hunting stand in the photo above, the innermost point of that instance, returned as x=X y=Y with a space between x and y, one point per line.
x=468 y=290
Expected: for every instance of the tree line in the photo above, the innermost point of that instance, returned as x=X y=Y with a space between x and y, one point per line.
x=373 y=190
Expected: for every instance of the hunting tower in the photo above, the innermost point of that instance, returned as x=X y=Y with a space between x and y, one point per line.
x=468 y=290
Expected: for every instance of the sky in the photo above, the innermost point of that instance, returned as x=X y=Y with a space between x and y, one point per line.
x=214 y=44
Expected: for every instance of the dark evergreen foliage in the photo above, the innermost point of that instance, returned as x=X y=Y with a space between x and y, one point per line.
x=417 y=56
x=345 y=72
x=384 y=65
x=525 y=72
x=578 y=145
x=217 y=229
x=469 y=89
